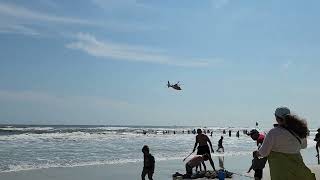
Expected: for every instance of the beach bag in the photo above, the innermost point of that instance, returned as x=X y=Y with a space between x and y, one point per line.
x=288 y=167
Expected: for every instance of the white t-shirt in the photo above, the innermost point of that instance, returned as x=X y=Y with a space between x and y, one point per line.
x=279 y=139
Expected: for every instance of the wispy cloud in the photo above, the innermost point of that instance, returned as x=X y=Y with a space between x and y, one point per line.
x=116 y=51
x=61 y=101
x=18 y=29
x=13 y=16
x=27 y=14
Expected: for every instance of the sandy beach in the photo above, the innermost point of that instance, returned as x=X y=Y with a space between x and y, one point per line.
x=164 y=170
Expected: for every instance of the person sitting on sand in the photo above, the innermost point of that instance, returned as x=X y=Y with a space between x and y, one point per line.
x=282 y=146
x=203 y=147
x=148 y=163
x=220 y=146
x=257 y=165
x=256 y=136
x=196 y=161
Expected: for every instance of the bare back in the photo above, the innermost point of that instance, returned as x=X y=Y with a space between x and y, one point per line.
x=202 y=139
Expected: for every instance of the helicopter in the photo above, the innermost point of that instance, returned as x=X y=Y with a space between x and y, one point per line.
x=174 y=86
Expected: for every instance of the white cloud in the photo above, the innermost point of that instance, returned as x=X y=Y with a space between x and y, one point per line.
x=18 y=29
x=27 y=14
x=115 y=51
x=61 y=101
x=14 y=16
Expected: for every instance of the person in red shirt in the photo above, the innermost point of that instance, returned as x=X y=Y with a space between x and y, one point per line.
x=256 y=136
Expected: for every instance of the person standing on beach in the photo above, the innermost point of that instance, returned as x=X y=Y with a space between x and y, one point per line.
x=148 y=163
x=282 y=147
x=220 y=146
x=317 y=139
x=257 y=165
x=203 y=147
x=229 y=133
x=238 y=134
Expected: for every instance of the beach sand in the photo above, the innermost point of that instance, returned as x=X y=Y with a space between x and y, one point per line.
x=128 y=171
x=131 y=171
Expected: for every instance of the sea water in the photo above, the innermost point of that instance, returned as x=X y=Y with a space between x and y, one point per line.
x=24 y=147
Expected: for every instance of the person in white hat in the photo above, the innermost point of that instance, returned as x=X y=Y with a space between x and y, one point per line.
x=282 y=146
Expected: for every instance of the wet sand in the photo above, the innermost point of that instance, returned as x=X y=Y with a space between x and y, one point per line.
x=132 y=171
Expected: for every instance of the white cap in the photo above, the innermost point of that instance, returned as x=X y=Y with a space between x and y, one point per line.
x=281 y=112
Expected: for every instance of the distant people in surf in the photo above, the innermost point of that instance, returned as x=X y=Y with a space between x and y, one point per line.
x=257 y=165
x=202 y=141
x=229 y=133
x=220 y=146
x=148 y=163
x=238 y=134
x=317 y=139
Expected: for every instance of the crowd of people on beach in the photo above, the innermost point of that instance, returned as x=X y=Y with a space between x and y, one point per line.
x=280 y=147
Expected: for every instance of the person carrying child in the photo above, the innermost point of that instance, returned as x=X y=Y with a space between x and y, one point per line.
x=257 y=165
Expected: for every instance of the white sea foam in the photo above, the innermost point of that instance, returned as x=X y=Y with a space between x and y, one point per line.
x=80 y=146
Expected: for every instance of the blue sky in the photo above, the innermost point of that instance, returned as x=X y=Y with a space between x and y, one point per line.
x=108 y=61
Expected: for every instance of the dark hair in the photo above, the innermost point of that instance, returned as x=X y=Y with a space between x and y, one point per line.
x=199 y=131
x=206 y=156
x=297 y=125
x=145 y=148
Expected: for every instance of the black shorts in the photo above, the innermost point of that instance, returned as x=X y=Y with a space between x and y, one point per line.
x=188 y=169
x=203 y=150
x=258 y=173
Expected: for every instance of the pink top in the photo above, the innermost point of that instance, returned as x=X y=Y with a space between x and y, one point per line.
x=196 y=160
x=260 y=138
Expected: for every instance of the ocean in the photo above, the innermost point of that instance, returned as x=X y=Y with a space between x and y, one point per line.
x=26 y=147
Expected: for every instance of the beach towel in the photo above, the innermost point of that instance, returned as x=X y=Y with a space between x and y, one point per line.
x=202 y=174
x=288 y=167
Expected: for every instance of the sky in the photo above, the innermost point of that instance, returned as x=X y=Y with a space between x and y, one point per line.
x=107 y=62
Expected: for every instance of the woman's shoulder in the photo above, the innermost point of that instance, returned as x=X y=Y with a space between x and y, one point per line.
x=275 y=130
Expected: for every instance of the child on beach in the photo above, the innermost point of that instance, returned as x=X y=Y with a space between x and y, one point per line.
x=220 y=146
x=196 y=161
x=257 y=165
x=148 y=163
